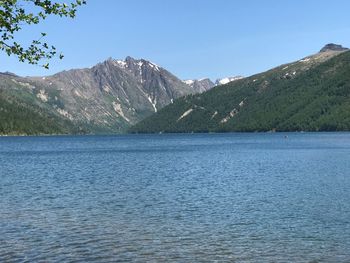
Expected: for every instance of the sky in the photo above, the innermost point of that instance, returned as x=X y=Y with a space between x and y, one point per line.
x=191 y=38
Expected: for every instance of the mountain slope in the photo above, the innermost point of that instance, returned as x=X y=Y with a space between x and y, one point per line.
x=21 y=113
x=107 y=98
x=308 y=95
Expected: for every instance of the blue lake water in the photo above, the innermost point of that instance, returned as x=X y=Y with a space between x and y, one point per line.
x=176 y=198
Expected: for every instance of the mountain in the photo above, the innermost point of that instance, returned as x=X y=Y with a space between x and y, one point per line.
x=333 y=47
x=106 y=98
x=200 y=85
x=22 y=113
x=226 y=80
x=205 y=84
x=312 y=94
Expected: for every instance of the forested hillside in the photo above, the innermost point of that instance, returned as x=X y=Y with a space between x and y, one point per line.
x=312 y=94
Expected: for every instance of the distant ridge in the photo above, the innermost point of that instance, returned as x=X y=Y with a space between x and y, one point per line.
x=7 y=73
x=205 y=84
x=333 y=47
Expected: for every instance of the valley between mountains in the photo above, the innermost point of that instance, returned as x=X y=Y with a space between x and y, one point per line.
x=105 y=99
x=138 y=96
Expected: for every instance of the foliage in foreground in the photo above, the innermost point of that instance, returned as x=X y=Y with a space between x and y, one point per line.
x=15 y=14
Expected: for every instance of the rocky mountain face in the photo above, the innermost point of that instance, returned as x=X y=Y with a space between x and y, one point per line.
x=333 y=47
x=107 y=98
x=200 y=85
x=311 y=94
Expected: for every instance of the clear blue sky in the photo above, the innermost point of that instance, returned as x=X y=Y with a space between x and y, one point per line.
x=192 y=38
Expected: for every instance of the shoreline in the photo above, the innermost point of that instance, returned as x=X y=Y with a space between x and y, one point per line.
x=168 y=133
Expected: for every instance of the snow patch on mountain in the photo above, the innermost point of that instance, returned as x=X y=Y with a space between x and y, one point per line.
x=226 y=80
x=204 y=84
x=121 y=63
x=154 y=103
x=189 y=82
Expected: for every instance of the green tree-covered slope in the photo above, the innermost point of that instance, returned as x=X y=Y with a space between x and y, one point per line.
x=22 y=113
x=19 y=118
x=312 y=94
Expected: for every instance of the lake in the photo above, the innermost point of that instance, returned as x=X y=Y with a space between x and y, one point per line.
x=279 y=197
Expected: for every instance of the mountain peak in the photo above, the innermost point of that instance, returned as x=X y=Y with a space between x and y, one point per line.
x=226 y=80
x=7 y=73
x=129 y=59
x=199 y=85
x=204 y=84
x=333 y=47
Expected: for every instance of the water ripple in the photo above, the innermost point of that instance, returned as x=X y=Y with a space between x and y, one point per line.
x=178 y=198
